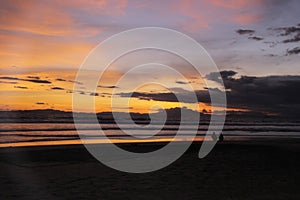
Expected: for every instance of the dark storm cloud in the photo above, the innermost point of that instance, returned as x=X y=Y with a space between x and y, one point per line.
x=28 y=80
x=224 y=74
x=21 y=87
x=245 y=31
x=185 y=96
x=276 y=94
x=268 y=94
x=293 y=51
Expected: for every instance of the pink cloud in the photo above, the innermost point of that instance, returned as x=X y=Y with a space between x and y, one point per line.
x=107 y=7
x=55 y=18
x=235 y=4
x=202 y=14
x=197 y=19
x=245 y=19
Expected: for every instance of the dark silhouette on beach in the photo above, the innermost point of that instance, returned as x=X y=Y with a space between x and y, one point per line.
x=215 y=137
x=221 y=137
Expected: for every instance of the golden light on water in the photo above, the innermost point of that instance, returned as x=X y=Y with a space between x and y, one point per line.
x=96 y=141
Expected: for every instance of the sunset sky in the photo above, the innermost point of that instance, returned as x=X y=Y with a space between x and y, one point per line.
x=254 y=43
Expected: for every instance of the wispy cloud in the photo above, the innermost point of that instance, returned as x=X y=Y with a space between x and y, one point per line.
x=293 y=51
x=245 y=31
x=28 y=80
x=255 y=38
x=182 y=82
x=34 y=77
x=21 y=87
x=107 y=86
x=57 y=88
x=8 y=82
x=292 y=31
x=71 y=81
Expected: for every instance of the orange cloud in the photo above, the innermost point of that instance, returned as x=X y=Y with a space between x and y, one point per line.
x=50 y=33
x=55 y=94
x=30 y=51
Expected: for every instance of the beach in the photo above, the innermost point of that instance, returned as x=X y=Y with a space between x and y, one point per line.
x=252 y=169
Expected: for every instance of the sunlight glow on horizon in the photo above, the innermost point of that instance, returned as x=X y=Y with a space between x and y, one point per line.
x=43 y=44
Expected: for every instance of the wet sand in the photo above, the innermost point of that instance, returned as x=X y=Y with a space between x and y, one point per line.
x=233 y=170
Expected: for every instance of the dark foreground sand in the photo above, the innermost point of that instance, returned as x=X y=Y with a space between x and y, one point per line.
x=233 y=170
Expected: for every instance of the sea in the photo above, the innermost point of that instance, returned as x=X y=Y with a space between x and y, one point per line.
x=40 y=134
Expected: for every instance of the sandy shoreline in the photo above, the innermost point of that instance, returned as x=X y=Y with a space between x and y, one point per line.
x=233 y=170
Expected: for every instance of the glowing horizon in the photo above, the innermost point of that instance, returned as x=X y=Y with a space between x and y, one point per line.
x=43 y=43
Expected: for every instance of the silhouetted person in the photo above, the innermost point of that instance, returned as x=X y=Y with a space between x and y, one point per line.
x=214 y=136
x=221 y=137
